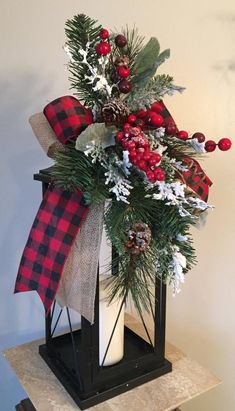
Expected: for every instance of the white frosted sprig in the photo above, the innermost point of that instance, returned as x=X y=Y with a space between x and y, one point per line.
x=96 y=152
x=199 y=204
x=176 y=268
x=97 y=75
x=172 y=89
x=69 y=54
x=126 y=162
x=198 y=147
x=175 y=195
x=172 y=192
x=181 y=238
x=178 y=165
x=121 y=187
x=160 y=132
x=115 y=168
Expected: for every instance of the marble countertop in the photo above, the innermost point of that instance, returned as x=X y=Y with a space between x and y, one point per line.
x=187 y=380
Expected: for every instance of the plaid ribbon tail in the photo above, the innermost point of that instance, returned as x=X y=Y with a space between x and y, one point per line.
x=196 y=178
x=54 y=230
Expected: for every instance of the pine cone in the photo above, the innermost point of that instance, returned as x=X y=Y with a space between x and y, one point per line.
x=122 y=61
x=115 y=112
x=138 y=238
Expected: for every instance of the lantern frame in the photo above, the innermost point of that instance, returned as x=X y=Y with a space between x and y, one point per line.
x=74 y=357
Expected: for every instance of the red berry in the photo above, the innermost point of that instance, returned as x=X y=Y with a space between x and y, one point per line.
x=139 y=156
x=171 y=129
x=131 y=145
x=141 y=113
x=142 y=165
x=131 y=118
x=135 y=131
x=125 y=144
x=150 y=176
x=159 y=174
x=224 y=144
x=146 y=156
x=139 y=122
x=182 y=134
x=134 y=161
x=145 y=144
x=123 y=71
x=199 y=136
x=154 y=159
x=156 y=120
x=104 y=34
x=210 y=146
x=124 y=86
x=157 y=107
x=120 y=40
x=140 y=150
x=132 y=154
x=126 y=127
x=103 y=48
x=119 y=136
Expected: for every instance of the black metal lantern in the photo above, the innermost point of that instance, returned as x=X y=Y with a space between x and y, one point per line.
x=74 y=356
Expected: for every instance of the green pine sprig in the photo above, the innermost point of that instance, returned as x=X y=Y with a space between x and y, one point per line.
x=80 y=31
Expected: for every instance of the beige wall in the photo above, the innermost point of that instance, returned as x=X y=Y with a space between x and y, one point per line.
x=201 y=35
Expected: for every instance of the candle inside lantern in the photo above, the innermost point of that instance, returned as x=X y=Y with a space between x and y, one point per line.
x=108 y=314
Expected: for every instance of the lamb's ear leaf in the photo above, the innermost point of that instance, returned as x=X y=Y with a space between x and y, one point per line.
x=163 y=56
x=145 y=62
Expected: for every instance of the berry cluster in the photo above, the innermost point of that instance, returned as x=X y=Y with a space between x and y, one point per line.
x=224 y=144
x=151 y=118
x=122 y=71
x=132 y=139
x=103 y=47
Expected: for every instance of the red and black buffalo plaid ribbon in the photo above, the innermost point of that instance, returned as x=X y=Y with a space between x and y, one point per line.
x=54 y=229
x=67 y=117
x=60 y=214
x=168 y=119
x=196 y=179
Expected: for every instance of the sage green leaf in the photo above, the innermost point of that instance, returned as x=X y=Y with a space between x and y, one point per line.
x=98 y=133
x=163 y=56
x=146 y=59
x=148 y=75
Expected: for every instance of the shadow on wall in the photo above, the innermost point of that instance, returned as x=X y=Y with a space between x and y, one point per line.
x=21 y=316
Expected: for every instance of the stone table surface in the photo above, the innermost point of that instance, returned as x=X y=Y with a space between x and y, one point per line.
x=187 y=380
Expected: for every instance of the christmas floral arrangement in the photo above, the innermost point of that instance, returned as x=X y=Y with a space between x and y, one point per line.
x=127 y=148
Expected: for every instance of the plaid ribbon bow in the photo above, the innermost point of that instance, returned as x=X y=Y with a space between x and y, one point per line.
x=67 y=117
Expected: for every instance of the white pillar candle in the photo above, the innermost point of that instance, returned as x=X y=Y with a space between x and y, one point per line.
x=107 y=317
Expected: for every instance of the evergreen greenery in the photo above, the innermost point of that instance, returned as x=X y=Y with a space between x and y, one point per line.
x=80 y=31
x=95 y=175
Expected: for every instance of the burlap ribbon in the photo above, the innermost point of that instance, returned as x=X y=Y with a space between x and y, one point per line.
x=78 y=283
x=77 y=287
x=45 y=135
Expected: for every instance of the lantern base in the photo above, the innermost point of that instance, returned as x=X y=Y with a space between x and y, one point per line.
x=59 y=358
